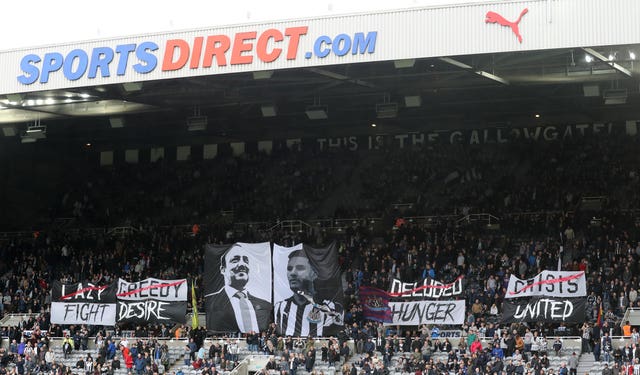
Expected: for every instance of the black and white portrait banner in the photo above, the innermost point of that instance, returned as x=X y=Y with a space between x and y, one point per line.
x=544 y=309
x=237 y=287
x=281 y=288
x=83 y=303
x=565 y=284
x=412 y=313
x=427 y=288
x=308 y=297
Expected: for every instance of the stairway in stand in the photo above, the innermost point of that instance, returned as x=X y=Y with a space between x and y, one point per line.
x=588 y=365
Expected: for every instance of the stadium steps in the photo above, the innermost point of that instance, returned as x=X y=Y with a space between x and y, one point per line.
x=13 y=320
x=588 y=365
x=243 y=353
x=73 y=357
x=174 y=354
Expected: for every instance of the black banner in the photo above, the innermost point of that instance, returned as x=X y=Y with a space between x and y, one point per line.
x=151 y=311
x=83 y=292
x=544 y=309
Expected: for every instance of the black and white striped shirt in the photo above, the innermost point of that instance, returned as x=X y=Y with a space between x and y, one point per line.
x=298 y=320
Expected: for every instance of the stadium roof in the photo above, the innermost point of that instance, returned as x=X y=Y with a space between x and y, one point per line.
x=511 y=87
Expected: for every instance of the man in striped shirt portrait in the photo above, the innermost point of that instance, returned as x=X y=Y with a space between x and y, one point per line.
x=300 y=314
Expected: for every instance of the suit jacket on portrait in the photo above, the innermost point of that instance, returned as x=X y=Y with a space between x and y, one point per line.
x=221 y=317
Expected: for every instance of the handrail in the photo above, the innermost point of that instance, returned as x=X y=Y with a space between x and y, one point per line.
x=326 y=223
x=291 y=225
x=478 y=217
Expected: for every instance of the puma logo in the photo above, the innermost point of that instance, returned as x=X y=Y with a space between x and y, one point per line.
x=493 y=17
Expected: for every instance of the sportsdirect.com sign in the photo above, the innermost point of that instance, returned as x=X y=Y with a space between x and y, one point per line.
x=417 y=33
x=203 y=52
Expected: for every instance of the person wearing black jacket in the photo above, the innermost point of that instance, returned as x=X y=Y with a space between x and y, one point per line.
x=380 y=370
x=497 y=366
x=446 y=345
x=511 y=345
x=519 y=370
x=345 y=351
x=406 y=346
x=310 y=360
x=80 y=363
x=511 y=368
x=416 y=344
x=271 y=364
x=544 y=361
x=20 y=364
x=253 y=339
x=387 y=354
x=369 y=346
x=293 y=363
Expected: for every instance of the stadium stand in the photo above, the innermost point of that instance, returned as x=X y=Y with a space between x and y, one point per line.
x=536 y=200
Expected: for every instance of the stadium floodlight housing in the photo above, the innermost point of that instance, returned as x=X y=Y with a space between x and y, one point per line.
x=387 y=110
x=404 y=63
x=591 y=90
x=25 y=139
x=9 y=131
x=33 y=133
x=132 y=86
x=116 y=122
x=197 y=123
x=412 y=101
x=615 y=96
x=317 y=112
x=14 y=98
x=262 y=74
x=268 y=110
x=37 y=131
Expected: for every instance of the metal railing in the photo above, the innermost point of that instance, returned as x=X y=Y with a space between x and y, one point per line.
x=327 y=224
x=472 y=218
x=122 y=231
x=290 y=226
x=629 y=315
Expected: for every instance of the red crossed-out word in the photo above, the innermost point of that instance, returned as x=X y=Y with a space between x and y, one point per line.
x=82 y=291
x=409 y=292
x=123 y=294
x=493 y=17
x=551 y=281
x=156 y=286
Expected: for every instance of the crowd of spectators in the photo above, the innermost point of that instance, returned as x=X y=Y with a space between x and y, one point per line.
x=308 y=184
x=546 y=181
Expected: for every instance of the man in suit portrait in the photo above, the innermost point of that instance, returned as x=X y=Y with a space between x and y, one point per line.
x=301 y=314
x=233 y=308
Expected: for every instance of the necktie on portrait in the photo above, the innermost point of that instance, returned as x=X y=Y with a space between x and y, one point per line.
x=245 y=312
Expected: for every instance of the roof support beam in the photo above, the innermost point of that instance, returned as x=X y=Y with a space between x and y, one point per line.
x=612 y=64
x=481 y=73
